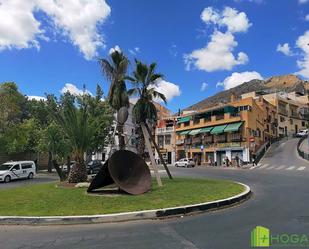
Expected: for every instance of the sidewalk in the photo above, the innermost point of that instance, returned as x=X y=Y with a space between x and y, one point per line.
x=304 y=146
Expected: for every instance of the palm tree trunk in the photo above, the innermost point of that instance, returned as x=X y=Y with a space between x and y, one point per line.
x=59 y=171
x=121 y=141
x=159 y=153
x=140 y=147
x=78 y=172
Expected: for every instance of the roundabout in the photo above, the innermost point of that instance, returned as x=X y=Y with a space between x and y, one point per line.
x=64 y=205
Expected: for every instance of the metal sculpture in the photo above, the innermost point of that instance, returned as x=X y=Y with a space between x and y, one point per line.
x=127 y=170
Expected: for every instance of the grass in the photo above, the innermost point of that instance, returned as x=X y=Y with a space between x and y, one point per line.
x=47 y=200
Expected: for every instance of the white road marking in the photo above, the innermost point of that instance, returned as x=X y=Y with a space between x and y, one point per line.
x=253 y=167
x=259 y=164
x=290 y=168
x=281 y=145
x=264 y=166
x=271 y=167
x=280 y=167
x=301 y=168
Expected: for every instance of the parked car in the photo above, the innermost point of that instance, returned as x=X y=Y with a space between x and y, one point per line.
x=185 y=162
x=302 y=133
x=93 y=167
x=17 y=170
x=64 y=167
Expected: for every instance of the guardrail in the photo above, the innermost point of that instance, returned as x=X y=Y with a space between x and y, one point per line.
x=300 y=152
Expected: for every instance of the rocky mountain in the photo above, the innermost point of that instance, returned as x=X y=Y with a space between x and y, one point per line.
x=285 y=83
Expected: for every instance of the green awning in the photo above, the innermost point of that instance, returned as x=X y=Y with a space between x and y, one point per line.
x=218 y=129
x=206 y=129
x=233 y=127
x=184 y=119
x=184 y=132
x=194 y=132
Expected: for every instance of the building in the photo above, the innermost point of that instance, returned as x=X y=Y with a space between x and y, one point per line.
x=233 y=129
x=166 y=138
x=128 y=132
x=291 y=111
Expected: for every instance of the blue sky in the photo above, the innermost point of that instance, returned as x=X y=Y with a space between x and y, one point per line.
x=45 y=44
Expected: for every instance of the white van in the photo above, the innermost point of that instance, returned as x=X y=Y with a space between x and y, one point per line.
x=17 y=170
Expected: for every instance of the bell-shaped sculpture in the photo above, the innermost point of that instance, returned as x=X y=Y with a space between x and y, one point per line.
x=127 y=170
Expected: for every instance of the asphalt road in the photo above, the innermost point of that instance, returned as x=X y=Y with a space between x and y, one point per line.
x=38 y=178
x=280 y=202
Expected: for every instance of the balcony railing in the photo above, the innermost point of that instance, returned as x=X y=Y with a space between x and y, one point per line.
x=188 y=141
x=165 y=130
x=180 y=141
x=283 y=111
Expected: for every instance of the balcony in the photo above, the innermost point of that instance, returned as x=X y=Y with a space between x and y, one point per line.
x=180 y=142
x=165 y=130
x=197 y=140
x=188 y=141
x=282 y=111
x=230 y=145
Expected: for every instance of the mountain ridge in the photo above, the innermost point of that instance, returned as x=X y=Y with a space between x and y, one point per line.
x=283 y=83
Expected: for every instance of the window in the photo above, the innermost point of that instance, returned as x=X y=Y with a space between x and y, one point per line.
x=303 y=123
x=235 y=137
x=187 y=123
x=161 y=140
x=168 y=139
x=16 y=167
x=207 y=119
x=291 y=121
x=26 y=165
x=196 y=121
x=282 y=119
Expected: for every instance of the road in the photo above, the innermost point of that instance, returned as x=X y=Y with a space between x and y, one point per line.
x=39 y=178
x=280 y=202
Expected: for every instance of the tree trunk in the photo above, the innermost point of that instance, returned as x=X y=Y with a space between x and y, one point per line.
x=59 y=171
x=78 y=172
x=140 y=147
x=121 y=140
x=159 y=153
x=50 y=162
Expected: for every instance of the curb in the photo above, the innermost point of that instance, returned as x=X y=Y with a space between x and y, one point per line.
x=128 y=216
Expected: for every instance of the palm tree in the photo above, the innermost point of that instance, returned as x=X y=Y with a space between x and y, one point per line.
x=144 y=82
x=115 y=69
x=74 y=119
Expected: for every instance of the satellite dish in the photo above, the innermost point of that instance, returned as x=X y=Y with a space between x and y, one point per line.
x=122 y=115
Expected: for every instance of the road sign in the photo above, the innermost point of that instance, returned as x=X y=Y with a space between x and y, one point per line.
x=252 y=140
x=202 y=147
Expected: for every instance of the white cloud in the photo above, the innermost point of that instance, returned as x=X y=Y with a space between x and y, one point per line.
x=204 y=86
x=251 y=1
x=218 y=53
x=232 y=19
x=302 y=1
x=75 y=19
x=307 y=17
x=18 y=27
x=116 y=48
x=238 y=78
x=285 y=49
x=303 y=63
x=38 y=98
x=170 y=90
x=71 y=88
x=134 y=51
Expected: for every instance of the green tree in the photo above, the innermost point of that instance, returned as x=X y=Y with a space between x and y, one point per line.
x=115 y=69
x=83 y=121
x=144 y=82
x=12 y=104
x=52 y=141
